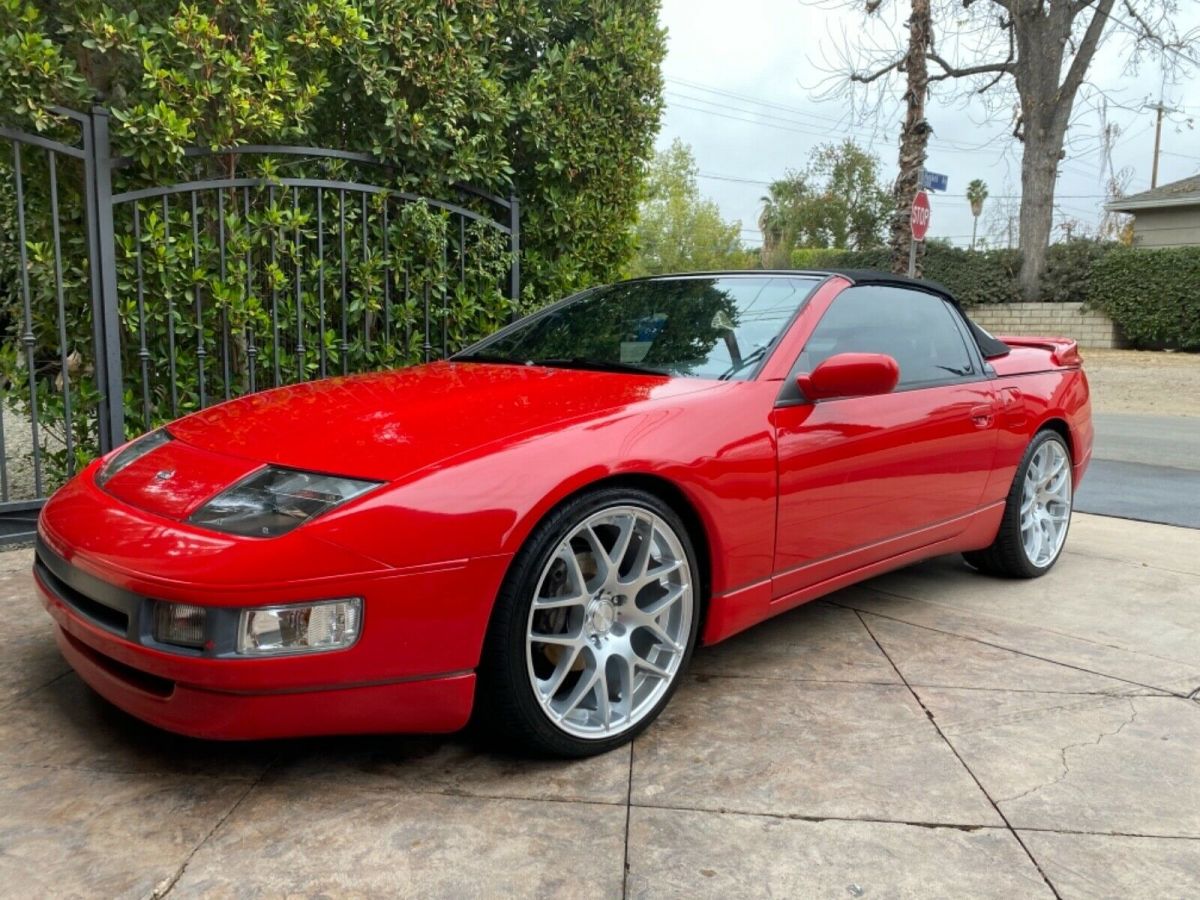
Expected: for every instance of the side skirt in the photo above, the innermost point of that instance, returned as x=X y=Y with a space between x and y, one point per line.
x=750 y=605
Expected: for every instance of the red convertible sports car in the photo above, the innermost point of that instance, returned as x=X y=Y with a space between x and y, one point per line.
x=540 y=529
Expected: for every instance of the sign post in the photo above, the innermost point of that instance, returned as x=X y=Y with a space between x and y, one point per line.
x=918 y=224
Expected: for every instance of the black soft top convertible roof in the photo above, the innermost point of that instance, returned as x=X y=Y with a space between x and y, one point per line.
x=991 y=347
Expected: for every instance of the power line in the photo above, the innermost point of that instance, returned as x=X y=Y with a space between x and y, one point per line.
x=792 y=128
x=822 y=130
x=740 y=180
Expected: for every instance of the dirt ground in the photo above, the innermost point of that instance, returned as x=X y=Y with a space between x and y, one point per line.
x=1143 y=381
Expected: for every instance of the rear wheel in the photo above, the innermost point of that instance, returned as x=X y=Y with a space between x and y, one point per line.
x=1037 y=513
x=593 y=627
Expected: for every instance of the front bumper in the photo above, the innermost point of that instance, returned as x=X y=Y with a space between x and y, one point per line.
x=411 y=670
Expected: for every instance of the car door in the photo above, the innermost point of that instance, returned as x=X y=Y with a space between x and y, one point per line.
x=862 y=479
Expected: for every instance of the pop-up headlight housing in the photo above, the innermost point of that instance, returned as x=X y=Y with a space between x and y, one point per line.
x=133 y=451
x=274 y=500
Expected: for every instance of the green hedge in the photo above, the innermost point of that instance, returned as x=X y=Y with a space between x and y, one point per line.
x=1153 y=295
x=557 y=100
x=975 y=278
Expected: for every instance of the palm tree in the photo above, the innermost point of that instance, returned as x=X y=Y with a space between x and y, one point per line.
x=976 y=194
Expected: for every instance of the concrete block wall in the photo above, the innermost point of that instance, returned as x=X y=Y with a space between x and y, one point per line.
x=1089 y=327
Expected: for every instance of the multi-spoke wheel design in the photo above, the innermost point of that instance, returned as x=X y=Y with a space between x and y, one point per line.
x=593 y=627
x=609 y=623
x=1037 y=513
x=1046 y=503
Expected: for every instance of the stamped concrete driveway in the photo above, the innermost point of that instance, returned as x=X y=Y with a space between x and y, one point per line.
x=933 y=733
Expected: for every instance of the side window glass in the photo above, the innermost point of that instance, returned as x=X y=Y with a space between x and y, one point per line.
x=916 y=329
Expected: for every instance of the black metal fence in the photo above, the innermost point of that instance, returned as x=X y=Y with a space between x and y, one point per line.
x=124 y=303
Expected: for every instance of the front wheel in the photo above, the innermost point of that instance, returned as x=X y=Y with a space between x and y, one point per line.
x=593 y=627
x=1037 y=513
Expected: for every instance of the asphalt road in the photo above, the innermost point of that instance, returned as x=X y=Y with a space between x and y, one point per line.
x=1146 y=468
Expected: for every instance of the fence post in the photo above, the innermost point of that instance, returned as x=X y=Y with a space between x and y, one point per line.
x=106 y=326
x=514 y=248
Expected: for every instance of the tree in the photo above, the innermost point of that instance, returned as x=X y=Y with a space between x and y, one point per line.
x=837 y=201
x=977 y=192
x=560 y=99
x=678 y=229
x=1041 y=50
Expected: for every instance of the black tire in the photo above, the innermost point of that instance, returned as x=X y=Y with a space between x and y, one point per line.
x=506 y=709
x=1006 y=557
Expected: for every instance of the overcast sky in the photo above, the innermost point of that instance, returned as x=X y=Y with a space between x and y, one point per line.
x=743 y=88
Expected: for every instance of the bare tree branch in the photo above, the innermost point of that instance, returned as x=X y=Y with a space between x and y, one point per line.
x=952 y=71
x=1087 y=49
x=868 y=77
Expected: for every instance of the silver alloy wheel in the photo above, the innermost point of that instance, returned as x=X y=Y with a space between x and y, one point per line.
x=1046 y=504
x=610 y=622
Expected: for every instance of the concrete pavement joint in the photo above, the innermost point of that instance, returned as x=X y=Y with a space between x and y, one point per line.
x=1045 y=659
x=954 y=609
x=805 y=817
x=628 y=816
x=704 y=677
x=1137 y=565
x=913 y=823
x=933 y=721
x=907 y=735
x=1066 y=766
x=125 y=773
x=160 y=890
x=29 y=693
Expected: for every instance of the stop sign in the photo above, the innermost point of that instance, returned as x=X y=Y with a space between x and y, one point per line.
x=918 y=216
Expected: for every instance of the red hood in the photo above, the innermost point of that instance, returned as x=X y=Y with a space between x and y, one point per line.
x=387 y=425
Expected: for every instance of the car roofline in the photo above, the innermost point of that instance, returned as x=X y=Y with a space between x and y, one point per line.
x=854 y=276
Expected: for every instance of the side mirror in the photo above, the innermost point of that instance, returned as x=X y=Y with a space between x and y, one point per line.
x=850 y=375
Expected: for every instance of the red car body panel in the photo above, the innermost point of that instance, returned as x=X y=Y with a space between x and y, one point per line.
x=787 y=501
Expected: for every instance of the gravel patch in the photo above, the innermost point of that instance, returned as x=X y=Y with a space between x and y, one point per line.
x=18 y=454
x=1144 y=381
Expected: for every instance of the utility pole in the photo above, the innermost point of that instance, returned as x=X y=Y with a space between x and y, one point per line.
x=1160 y=110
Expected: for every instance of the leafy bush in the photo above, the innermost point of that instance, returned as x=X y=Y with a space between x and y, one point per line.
x=558 y=100
x=973 y=277
x=1152 y=295
x=1069 y=268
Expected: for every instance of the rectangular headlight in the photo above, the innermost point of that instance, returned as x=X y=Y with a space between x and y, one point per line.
x=300 y=628
x=274 y=500
x=179 y=623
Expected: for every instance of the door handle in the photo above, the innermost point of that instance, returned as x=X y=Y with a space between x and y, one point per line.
x=983 y=416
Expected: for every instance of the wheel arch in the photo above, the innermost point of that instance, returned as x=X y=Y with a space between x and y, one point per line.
x=1059 y=425
x=670 y=493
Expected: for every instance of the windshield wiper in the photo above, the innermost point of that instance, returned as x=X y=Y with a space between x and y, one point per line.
x=745 y=362
x=595 y=365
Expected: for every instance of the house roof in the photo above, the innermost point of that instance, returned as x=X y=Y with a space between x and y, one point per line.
x=1185 y=192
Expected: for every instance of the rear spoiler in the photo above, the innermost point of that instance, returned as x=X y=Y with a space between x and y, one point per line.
x=1063 y=351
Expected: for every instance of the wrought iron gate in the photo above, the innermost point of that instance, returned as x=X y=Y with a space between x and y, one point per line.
x=125 y=304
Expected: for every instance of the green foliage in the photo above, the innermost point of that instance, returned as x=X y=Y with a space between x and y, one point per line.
x=1069 y=269
x=678 y=230
x=973 y=277
x=557 y=100
x=837 y=201
x=977 y=193
x=1152 y=295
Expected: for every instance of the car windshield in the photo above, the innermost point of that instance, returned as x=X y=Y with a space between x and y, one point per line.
x=700 y=326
